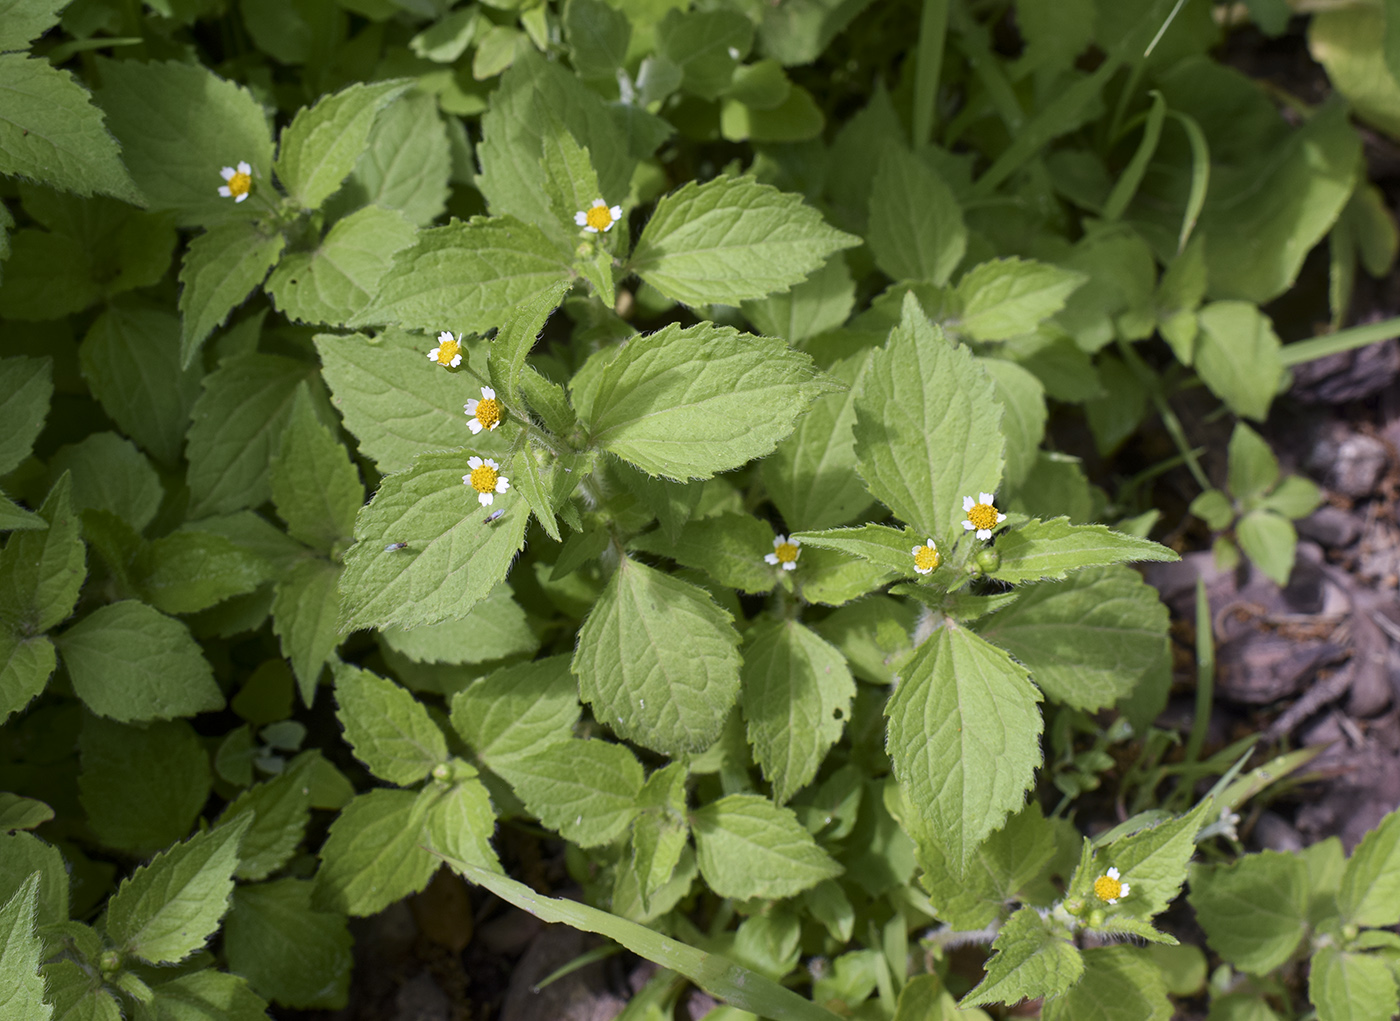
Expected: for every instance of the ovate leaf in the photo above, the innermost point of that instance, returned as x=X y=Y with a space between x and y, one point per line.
x=221 y=268
x=1370 y=893
x=280 y=810
x=748 y=847
x=26 y=664
x=518 y=709
x=916 y=225
x=315 y=486
x=286 y=949
x=586 y=790
x=387 y=727
x=41 y=572
x=1052 y=549
x=1237 y=355
x=1253 y=910
x=1029 y=960
x=1007 y=297
x=305 y=612
x=1118 y=982
x=407 y=163
x=26 y=386
x=1346 y=986
x=21 y=987
x=373 y=855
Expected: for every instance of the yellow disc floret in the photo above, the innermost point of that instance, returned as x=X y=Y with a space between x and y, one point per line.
x=447 y=351
x=488 y=412
x=1109 y=888
x=240 y=184
x=786 y=552
x=982 y=516
x=599 y=217
x=926 y=558
x=484 y=479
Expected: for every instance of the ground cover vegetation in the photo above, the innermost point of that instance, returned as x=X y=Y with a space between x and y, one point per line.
x=647 y=432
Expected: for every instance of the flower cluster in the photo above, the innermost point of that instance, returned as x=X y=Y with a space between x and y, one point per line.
x=982 y=515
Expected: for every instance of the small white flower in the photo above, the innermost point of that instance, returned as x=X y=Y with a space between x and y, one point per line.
x=598 y=217
x=240 y=181
x=982 y=515
x=785 y=552
x=925 y=557
x=448 y=353
x=486 y=479
x=1108 y=889
x=484 y=413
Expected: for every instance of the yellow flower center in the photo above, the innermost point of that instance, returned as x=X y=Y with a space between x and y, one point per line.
x=1107 y=888
x=786 y=552
x=484 y=479
x=599 y=217
x=239 y=184
x=926 y=559
x=983 y=516
x=447 y=351
x=488 y=413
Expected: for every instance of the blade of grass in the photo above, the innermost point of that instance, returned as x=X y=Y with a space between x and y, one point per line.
x=718 y=976
x=1342 y=340
x=1200 y=175
x=1131 y=177
x=1205 y=674
x=933 y=31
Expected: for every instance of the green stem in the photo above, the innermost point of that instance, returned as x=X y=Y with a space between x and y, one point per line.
x=1164 y=411
x=1205 y=674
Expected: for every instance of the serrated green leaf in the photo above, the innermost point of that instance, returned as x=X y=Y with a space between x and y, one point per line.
x=131 y=662
x=729 y=547
x=26 y=386
x=748 y=847
x=25 y=20
x=130 y=358
x=110 y=474
x=387 y=727
x=494 y=629
x=1118 y=982
x=1029 y=960
x=1237 y=356
x=75 y=994
x=1346 y=986
x=322 y=144
x=927 y=426
x=406 y=162
x=315 y=486
x=21 y=987
x=809 y=308
x=17 y=813
x=569 y=178
x=652 y=638
x=1253 y=910
x=14 y=518
x=467 y=277
x=1270 y=541
x=167 y=909
x=515 y=710
x=26 y=664
x=305 y=612
x=221 y=268
x=289 y=951
x=1052 y=549
x=453 y=558
x=686 y=403
x=586 y=790
x=51 y=131
x=885 y=547
x=337 y=280
x=41 y=572
x=515 y=339
x=731 y=239
x=461 y=821
x=916 y=225
x=963 y=730
x=796 y=697
x=21 y=856
x=1022 y=398
x=204 y=995
x=1006 y=297
x=1086 y=640
x=280 y=810
x=179 y=125
x=237 y=429
x=373 y=855
x=1370 y=891
x=706 y=46
x=186 y=572
x=1152 y=861
x=834 y=579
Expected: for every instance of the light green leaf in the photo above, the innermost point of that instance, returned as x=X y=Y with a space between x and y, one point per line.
x=406 y=164
x=748 y=847
x=337 y=280
x=1118 y=982
x=656 y=660
x=315 y=486
x=1253 y=910
x=1029 y=960
x=963 y=734
x=1346 y=986
x=796 y=697
x=453 y=558
x=1269 y=540
x=706 y=46
x=237 y=429
x=322 y=144
x=21 y=856
x=1295 y=497
x=41 y=572
x=1022 y=399
x=280 y=810
x=21 y=987
x=1237 y=356
x=569 y=178
x=166 y=910
x=686 y=403
x=461 y=820
x=222 y=267
x=373 y=855
x=927 y=426
x=26 y=386
x=25 y=20
x=1370 y=892
x=1088 y=640
x=885 y=547
x=1152 y=861
x=17 y=813
x=730 y=547
x=510 y=713
x=51 y=131
x=834 y=579
x=179 y=124
x=110 y=474
x=811 y=476
x=810 y=307
x=916 y=225
x=467 y=277
x=495 y=628
x=515 y=339
x=397 y=403
x=305 y=611
x=387 y=727
x=186 y=572
x=131 y=361
x=204 y=995
x=131 y=662
x=1003 y=298
x=731 y=239
x=660 y=831
x=289 y=951
x=1253 y=466
x=1053 y=549
x=586 y=790
x=76 y=996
